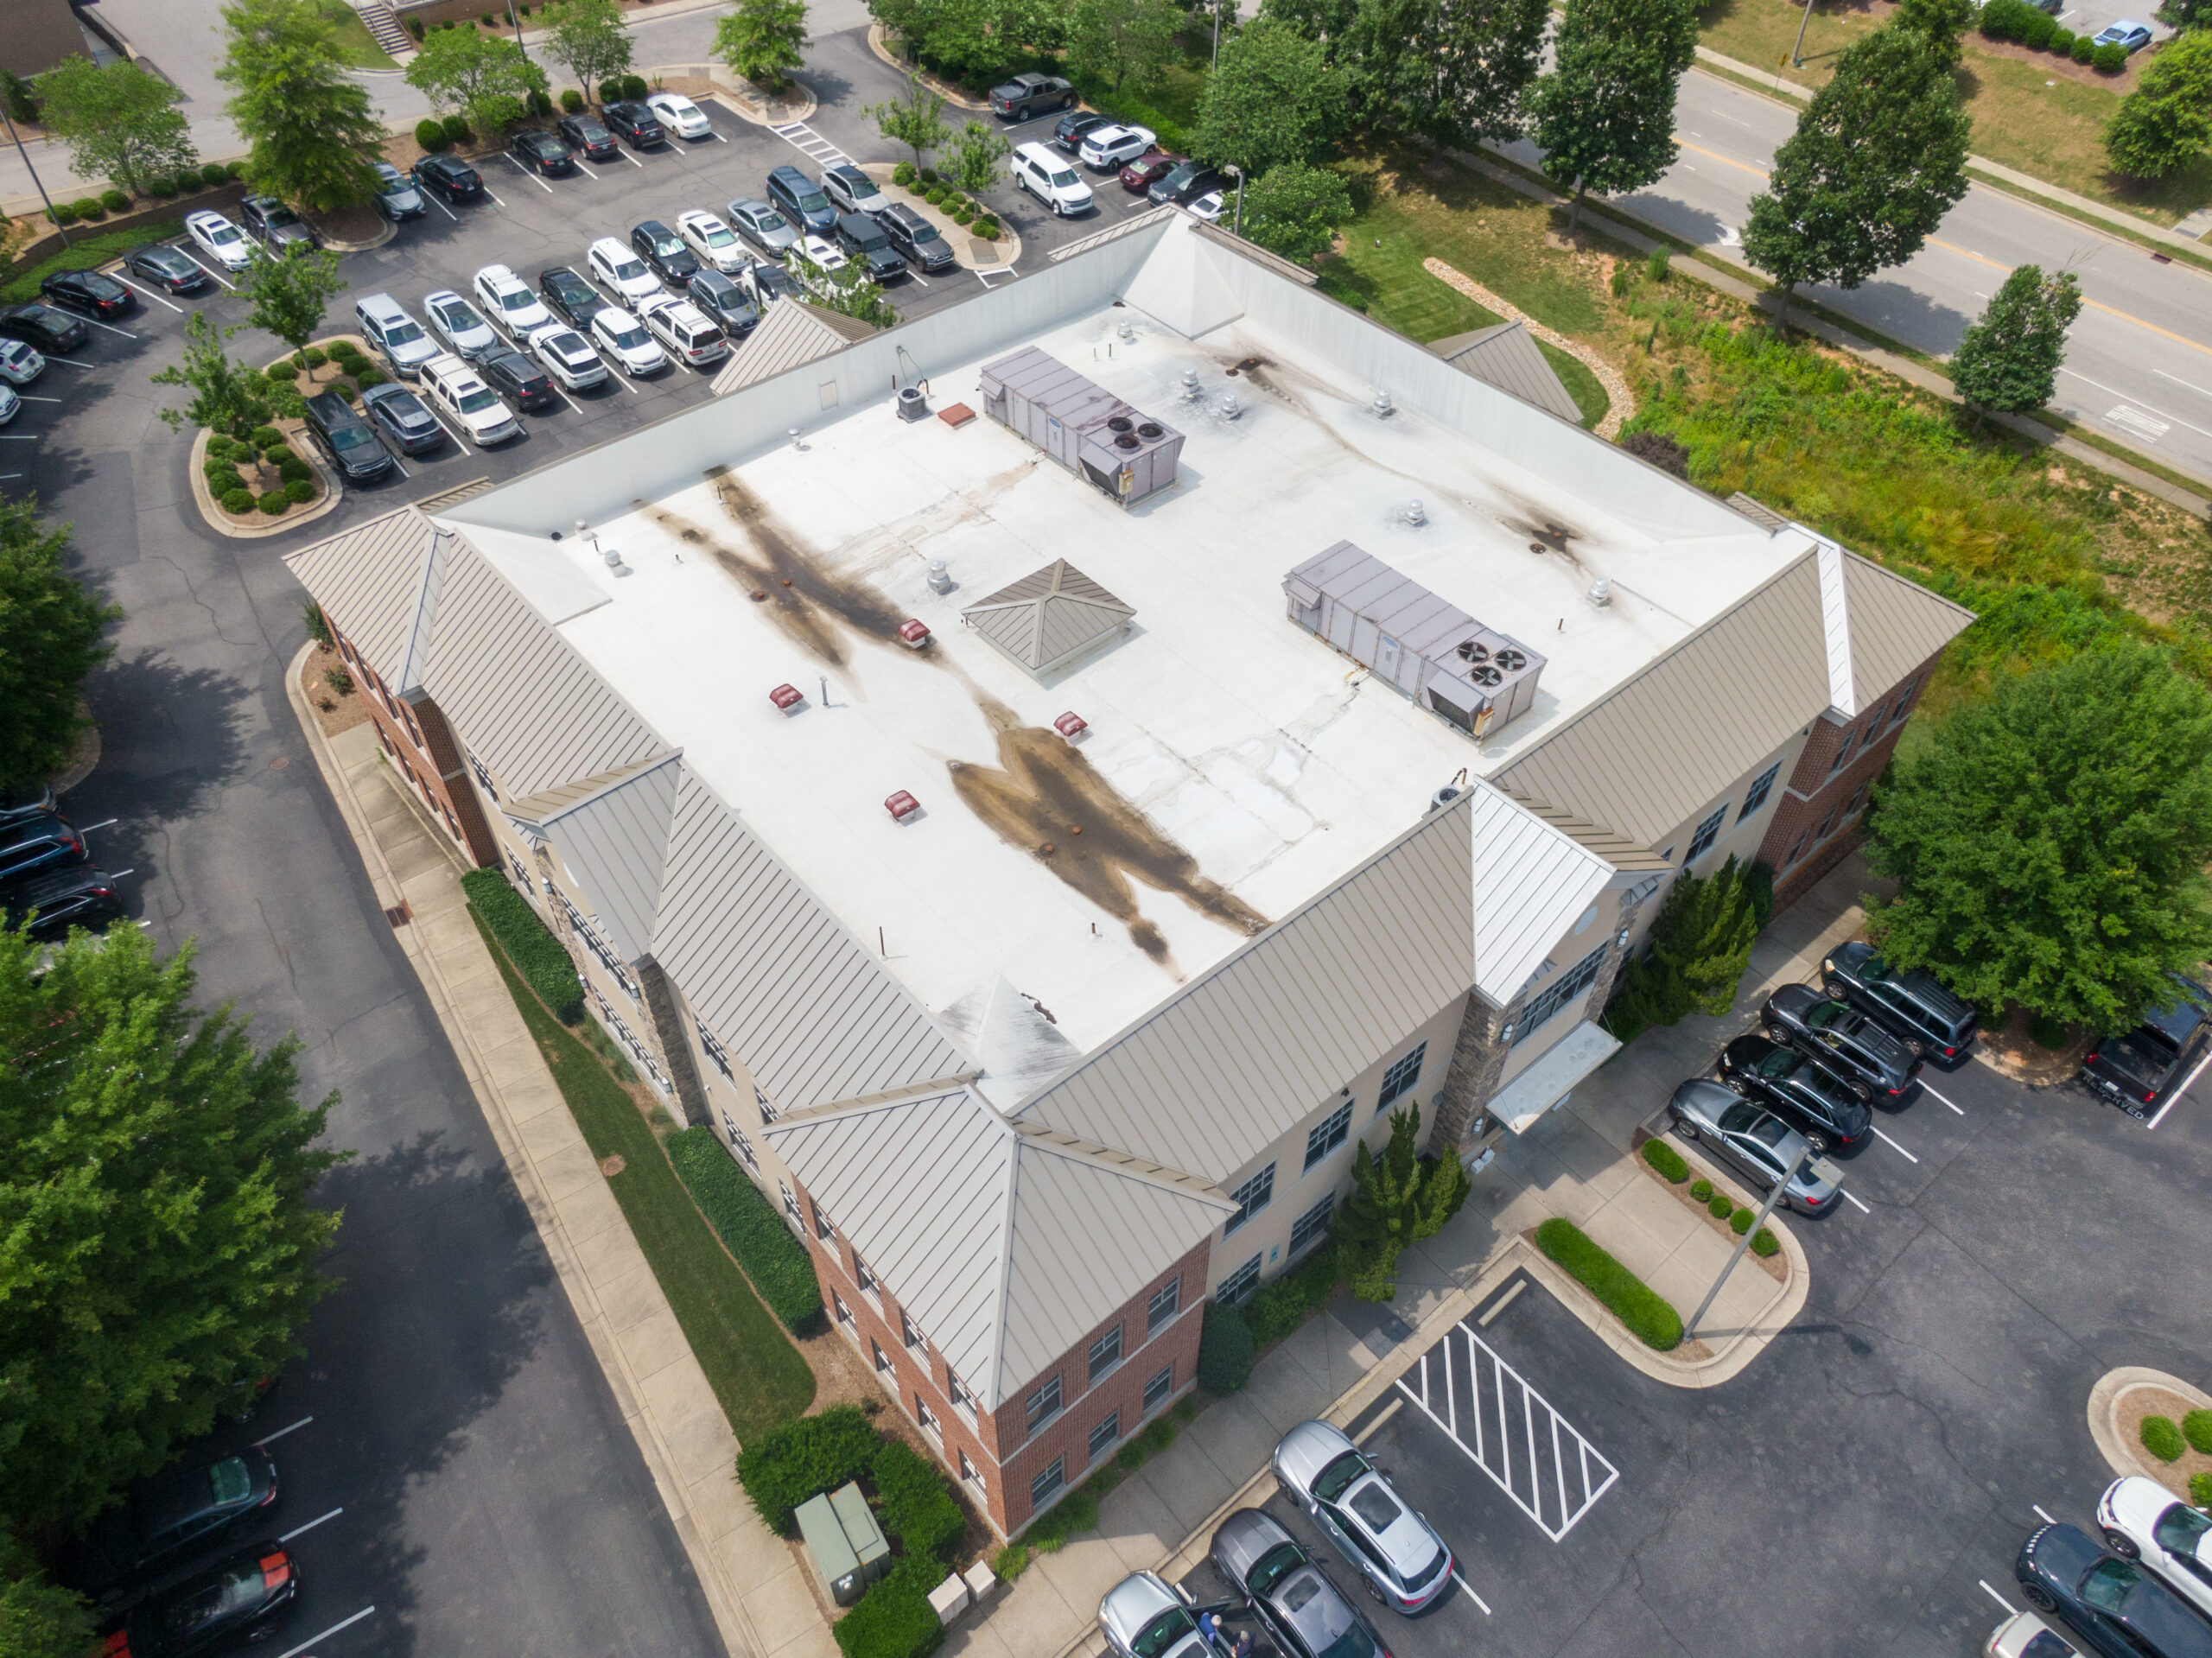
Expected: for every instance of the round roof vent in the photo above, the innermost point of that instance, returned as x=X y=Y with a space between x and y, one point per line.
x=1120 y=424
x=1129 y=440
x=1150 y=429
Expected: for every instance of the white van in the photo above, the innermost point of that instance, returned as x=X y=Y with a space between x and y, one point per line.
x=1047 y=175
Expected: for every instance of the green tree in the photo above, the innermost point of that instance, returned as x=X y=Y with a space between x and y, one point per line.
x=39 y=1619
x=1294 y=209
x=2008 y=359
x=850 y=291
x=161 y=1248
x=2185 y=15
x=486 y=78
x=119 y=122
x=587 y=38
x=1273 y=98
x=1878 y=159
x=15 y=93
x=1455 y=72
x=1942 y=23
x=1699 y=946
x=975 y=155
x=1396 y=1199
x=2165 y=123
x=312 y=132
x=2049 y=842
x=290 y=287
x=1604 y=116
x=1123 y=42
x=916 y=120
x=227 y=396
x=50 y=632
x=762 y=40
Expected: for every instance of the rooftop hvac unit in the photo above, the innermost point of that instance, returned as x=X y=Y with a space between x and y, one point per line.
x=1434 y=652
x=1081 y=425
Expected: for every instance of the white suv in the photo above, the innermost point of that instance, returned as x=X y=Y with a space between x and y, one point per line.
x=507 y=299
x=622 y=337
x=457 y=387
x=683 y=328
x=620 y=272
x=1105 y=149
x=1049 y=178
x=568 y=357
x=715 y=242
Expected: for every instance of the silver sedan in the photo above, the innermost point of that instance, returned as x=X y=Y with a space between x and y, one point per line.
x=1402 y=1560
x=1755 y=1143
x=1142 y=1618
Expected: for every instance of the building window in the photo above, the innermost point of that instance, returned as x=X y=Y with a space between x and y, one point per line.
x=1707 y=833
x=1163 y=1305
x=1874 y=723
x=1797 y=848
x=1826 y=825
x=1157 y=1389
x=843 y=1312
x=1400 y=1078
x=968 y=1473
x=599 y=946
x=1761 y=785
x=1858 y=799
x=823 y=1229
x=737 y=1139
x=958 y=1391
x=629 y=1038
x=882 y=1362
x=1237 y=1287
x=1105 y=1433
x=1252 y=1196
x=522 y=876
x=1557 y=994
x=913 y=1338
x=1328 y=1135
x=1903 y=704
x=1843 y=754
x=1313 y=1225
x=767 y=1111
x=1105 y=1353
x=713 y=1049
x=1042 y=1405
x=927 y=1420
x=483 y=777
x=790 y=1207
x=862 y=1277
x=1048 y=1482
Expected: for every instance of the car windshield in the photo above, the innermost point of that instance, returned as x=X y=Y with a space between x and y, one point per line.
x=717 y=236
x=229 y=1481
x=772 y=283
x=1272 y=1568
x=224 y=1594
x=2107 y=1585
x=222 y=233
x=402 y=332
x=1162 y=1633
x=768 y=221
x=457 y=315
x=626 y=336
x=478 y=398
x=516 y=299
x=810 y=200
x=1062 y=178
x=1374 y=1507
x=277 y=217
x=2181 y=1530
x=1329 y=1485
x=665 y=242
x=349 y=437
x=926 y=231
x=626 y=269
x=1777 y=1065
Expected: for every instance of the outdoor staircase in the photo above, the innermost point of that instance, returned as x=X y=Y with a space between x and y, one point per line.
x=383 y=24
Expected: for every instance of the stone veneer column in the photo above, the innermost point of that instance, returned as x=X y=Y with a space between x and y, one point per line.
x=667 y=1031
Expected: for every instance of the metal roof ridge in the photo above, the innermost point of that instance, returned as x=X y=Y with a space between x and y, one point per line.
x=593 y=788
x=1592 y=835
x=1127 y=1165
x=913 y=1094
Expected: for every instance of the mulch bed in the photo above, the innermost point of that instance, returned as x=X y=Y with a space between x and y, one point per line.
x=1771 y=1265
x=2150 y=1400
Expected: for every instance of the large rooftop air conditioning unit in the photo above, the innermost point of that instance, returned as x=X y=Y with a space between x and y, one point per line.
x=1434 y=652
x=1081 y=425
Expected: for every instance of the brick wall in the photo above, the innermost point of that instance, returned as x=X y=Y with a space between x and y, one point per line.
x=421 y=748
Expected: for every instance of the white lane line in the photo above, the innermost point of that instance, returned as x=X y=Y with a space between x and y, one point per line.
x=209 y=268
x=72 y=361
x=460 y=442
x=26 y=398
x=327 y=1634
x=287 y=1537
x=2177 y=380
x=563 y=395
x=281 y=1431
x=632 y=160
x=2048 y=1520
x=1894 y=1146
x=919 y=277
x=1985 y=1590
x=717 y=132
x=148 y=292
x=1926 y=1089
x=401 y=465
x=1503 y=1302
x=2179 y=1092
x=1846 y=1194
x=111 y=327
x=441 y=206
x=2161 y=413
x=18 y=437
x=18 y=475
x=526 y=173
x=1470 y=1594
x=494 y=194
x=1381 y=1417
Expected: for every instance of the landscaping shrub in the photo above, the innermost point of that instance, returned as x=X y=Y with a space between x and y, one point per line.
x=1009 y=1562
x=2062 y=41
x=2000 y=17
x=292 y=467
x=918 y=1506
x=237 y=502
x=368 y=375
x=214 y=173
x=456 y=130
x=609 y=90
x=267 y=437
x=184 y=184
x=115 y=201
x=927 y=174
x=634 y=88
x=1720 y=1206
x=571 y=100
x=314 y=357
x=221 y=476
x=2083 y=48
x=1764 y=1243
x=2110 y=60
x=2036 y=33
x=1702 y=1189
x=537 y=954
x=2046 y=1032
x=1665 y=1159
x=299 y=491
x=1225 y=1350
x=62 y=213
x=91 y=208
x=539 y=104
x=1656 y=263
x=962 y=214
x=1699 y=946
x=777 y=1263
x=2162 y=1438
x=2196 y=1428
x=415 y=26
x=903 y=175
x=2200 y=1485
x=787 y=1465
x=1159 y=1433
x=894 y=1619
x=1633 y=1301
x=233 y=171
x=1740 y=1222
x=431 y=135
x=220 y=448
x=1076 y=1512
x=1286 y=1302
x=986 y=228
x=275 y=503
x=161 y=190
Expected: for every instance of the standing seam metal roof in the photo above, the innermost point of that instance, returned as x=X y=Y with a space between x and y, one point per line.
x=1505 y=356
x=1894 y=624
x=368 y=582
x=614 y=837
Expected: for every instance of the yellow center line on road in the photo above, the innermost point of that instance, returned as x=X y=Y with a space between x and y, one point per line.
x=1729 y=161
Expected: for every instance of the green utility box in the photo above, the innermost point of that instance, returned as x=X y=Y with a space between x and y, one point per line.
x=861 y=1531
x=844 y=1543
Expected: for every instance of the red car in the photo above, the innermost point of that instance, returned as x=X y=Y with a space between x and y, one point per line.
x=1147 y=170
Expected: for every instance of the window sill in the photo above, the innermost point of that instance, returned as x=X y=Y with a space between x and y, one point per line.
x=1097 y=1377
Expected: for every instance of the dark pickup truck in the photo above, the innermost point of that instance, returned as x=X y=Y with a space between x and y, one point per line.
x=2140 y=1071
x=1030 y=95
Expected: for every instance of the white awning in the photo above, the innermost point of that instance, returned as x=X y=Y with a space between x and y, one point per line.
x=1545 y=1083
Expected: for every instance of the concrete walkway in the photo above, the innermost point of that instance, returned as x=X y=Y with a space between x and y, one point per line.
x=761 y=1600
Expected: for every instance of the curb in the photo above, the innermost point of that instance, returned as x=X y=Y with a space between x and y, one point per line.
x=291 y=520
x=952 y=95
x=2103 y=1407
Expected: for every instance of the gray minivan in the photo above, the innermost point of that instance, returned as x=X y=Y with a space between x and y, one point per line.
x=398 y=337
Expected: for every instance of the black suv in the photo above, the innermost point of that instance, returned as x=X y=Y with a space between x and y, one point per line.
x=50 y=330
x=541 y=152
x=590 y=139
x=162 y=1516
x=866 y=241
x=801 y=199
x=456 y=181
x=1186 y=183
x=728 y=306
x=2117 y=1606
x=2139 y=1069
x=38 y=841
x=62 y=898
x=916 y=237
x=1909 y=1005
x=521 y=381
x=346 y=439
x=1844 y=1039
x=570 y=297
x=1068 y=130
x=663 y=249
x=1025 y=96
x=86 y=291
x=635 y=124
x=1801 y=1091
x=243 y=1597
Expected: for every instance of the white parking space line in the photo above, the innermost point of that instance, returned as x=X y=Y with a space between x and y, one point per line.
x=111 y=327
x=1381 y=1417
x=401 y=465
x=204 y=266
x=811 y=144
x=917 y=276
x=632 y=160
x=72 y=361
x=1470 y=1594
x=717 y=133
x=18 y=437
x=2160 y=1115
x=494 y=194
x=1999 y=1599
x=148 y=292
x=526 y=173
x=441 y=206
x=985 y=278
x=1503 y=1302
x=1894 y=1146
x=2047 y=1519
x=305 y=1646
x=1926 y=1089
x=287 y=1537
x=460 y=442
x=563 y=395
x=1852 y=1201
x=26 y=398
x=18 y=475
x=281 y=1431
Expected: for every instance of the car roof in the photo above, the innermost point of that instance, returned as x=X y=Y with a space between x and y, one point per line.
x=56 y=883
x=331 y=403
x=714 y=282
x=381 y=305
x=1310 y=1447
x=786 y=170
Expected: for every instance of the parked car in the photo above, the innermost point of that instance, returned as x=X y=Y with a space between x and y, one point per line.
x=568 y=295
x=1068 y=131
x=1849 y=1043
x=2025 y=1636
x=619 y=272
x=520 y=381
x=1302 y=1609
x=1051 y=180
x=2127 y=33
x=275 y=223
x=1910 y=1005
x=394 y=335
x=863 y=240
x=455 y=387
x=726 y=305
x=399 y=415
x=588 y=136
x=507 y=301
x=2139 y=1069
x=683 y=329
x=241 y=1597
x=56 y=899
x=817 y=251
x=397 y=197
x=1208 y=207
x=713 y=243
x=458 y=324
x=348 y=441
x=2119 y=1608
x=852 y=191
x=1030 y=95
x=1184 y=183
x=916 y=238
x=800 y=199
x=12 y=405
x=1148 y=170
x=218 y=238
x=1144 y=1616
x=184 y=1509
x=680 y=115
x=38 y=841
x=51 y=331
x=166 y=267
x=1361 y=1513
x=633 y=123
x=624 y=338
x=1756 y=1143
x=758 y=223
x=567 y=356
x=663 y=249
x=542 y=153
x=88 y=291
x=765 y=284
x=1107 y=150
x=2142 y=1521
x=455 y=181
x=25 y=800
x=1804 y=1092
x=19 y=364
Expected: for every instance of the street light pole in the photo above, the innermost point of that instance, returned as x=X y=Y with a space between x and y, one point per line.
x=1752 y=1231
x=1236 y=173
x=516 y=22
x=1796 y=52
x=33 y=171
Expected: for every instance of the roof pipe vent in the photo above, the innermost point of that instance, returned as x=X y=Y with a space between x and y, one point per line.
x=1230 y=407
x=1383 y=407
x=1416 y=514
x=1445 y=797
x=1189 y=385
x=940 y=579
x=1601 y=592
x=1128 y=330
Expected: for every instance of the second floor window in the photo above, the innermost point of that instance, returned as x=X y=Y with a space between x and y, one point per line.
x=738 y=1140
x=1105 y=1352
x=1761 y=785
x=712 y=1047
x=823 y=1229
x=1252 y=1196
x=1399 y=1080
x=1563 y=989
x=956 y=1390
x=882 y=1363
x=1165 y=1301
x=1329 y=1133
x=861 y=1276
x=908 y=1334
x=1042 y=1405
x=483 y=776
x=791 y=1204
x=1707 y=833
x=1843 y=754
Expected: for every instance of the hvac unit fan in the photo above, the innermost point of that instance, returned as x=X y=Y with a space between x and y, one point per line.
x=1511 y=660
x=1486 y=675
x=1471 y=652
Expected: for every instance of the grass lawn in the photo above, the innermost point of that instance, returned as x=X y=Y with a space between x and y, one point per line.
x=357 y=48
x=2054 y=132
x=756 y=1373
x=87 y=251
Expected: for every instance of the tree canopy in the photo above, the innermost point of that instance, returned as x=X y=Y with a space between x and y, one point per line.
x=39 y=1619
x=762 y=40
x=916 y=120
x=1453 y=71
x=1294 y=209
x=50 y=639
x=974 y=156
x=587 y=38
x=160 y=1248
x=486 y=78
x=1273 y=98
x=1604 y=116
x=2049 y=842
x=290 y=286
x=1397 y=1198
x=2008 y=359
x=312 y=132
x=227 y=396
x=1123 y=42
x=2165 y=123
x=119 y=122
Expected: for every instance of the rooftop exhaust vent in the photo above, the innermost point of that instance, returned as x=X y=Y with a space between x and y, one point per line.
x=1082 y=425
x=787 y=697
x=901 y=806
x=1049 y=618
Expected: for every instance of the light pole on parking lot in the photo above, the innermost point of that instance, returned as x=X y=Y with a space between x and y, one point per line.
x=26 y=155
x=516 y=22
x=1752 y=1231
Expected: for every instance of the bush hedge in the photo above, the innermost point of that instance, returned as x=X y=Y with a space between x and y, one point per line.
x=777 y=1263
x=283 y=369
x=62 y=213
x=903 y=175
x=1764 y=1243
x=90 y=208
x=275 y=503
x=1665 y=1159
x=299 y=491
x=2109 y=59
x=115 y=201
x=918 y=1506
x=214 y=173
x=787 y=1465
x=1633 y=1301
x=1283 y=1304
x=1720 y=1206
x=1702 y=1189
x=2196 y=1428
x=571 y=100
x=1225 y=1350
x=2162 y=1438
x=609 y=90
x=368 y=375
x=894 y=1619
x=1740 y=1222
x=430 y=136
x=537 y=954
x=267 y=437
x=237 y=502
x=634 y=88
x=456 y=130
x=2200 y=1485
